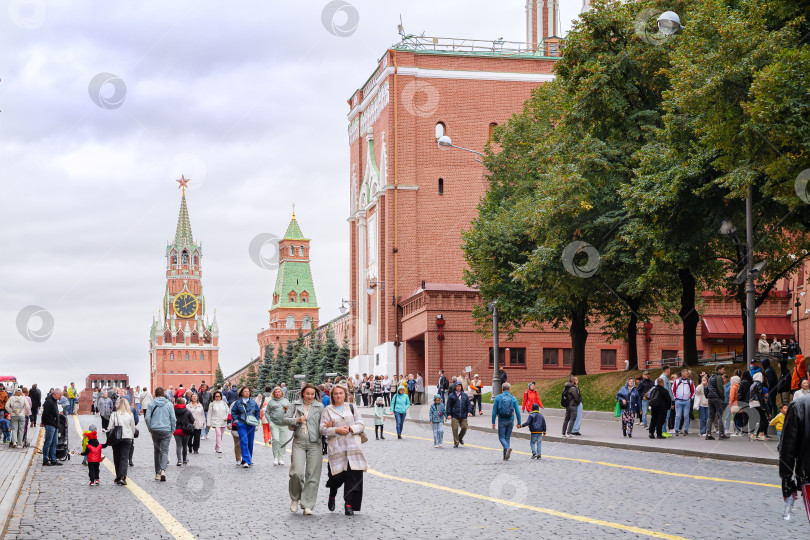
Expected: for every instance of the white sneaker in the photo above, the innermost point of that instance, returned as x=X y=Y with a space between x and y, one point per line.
x=307 y=512
x=280 y=461
x=238 y=463
x=245 y=465
x=275 y=461
x=293 y=506
x=157 y=477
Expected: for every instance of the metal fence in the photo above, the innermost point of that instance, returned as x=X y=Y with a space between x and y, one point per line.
x=292 y=395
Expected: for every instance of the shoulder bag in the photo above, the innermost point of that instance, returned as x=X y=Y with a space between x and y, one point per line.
x=250 y=420
x=115 y=433
x=362 y=434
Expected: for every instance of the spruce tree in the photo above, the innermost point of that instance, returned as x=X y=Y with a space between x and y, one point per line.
x=313 y=358
x=252 y=377
x=329 y=353
x=295 y=368
x=219 y=379
x=280 y=364
x=341 y=365
x=265 y=368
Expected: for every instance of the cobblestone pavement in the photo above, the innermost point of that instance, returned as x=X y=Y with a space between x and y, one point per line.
x=416 y=491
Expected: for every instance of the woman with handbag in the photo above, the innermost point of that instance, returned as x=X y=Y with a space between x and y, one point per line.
x=343 y=428
x=274 y=412
x=304 y=419
x=245 y=414
x=120 y=433
x=218 y=418
x=198 y=413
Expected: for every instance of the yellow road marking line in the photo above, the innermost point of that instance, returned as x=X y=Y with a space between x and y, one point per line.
x=169 y=522
x=548 y=511
x=616 y=465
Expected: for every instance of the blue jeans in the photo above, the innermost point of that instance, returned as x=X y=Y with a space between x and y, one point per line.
x=246 y=434
x=505 y=432
x=578 y=421
x=682 y=411
x=207 y=427
x=400 y=418
x=645 y=405
x=49 y=446
x=703 y=416
x=438 y=433
x=536 y=441
x=72 y=404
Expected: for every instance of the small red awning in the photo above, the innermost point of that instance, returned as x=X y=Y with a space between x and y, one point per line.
x=731 y=327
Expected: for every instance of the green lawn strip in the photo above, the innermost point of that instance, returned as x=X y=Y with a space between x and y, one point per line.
x=598 y=390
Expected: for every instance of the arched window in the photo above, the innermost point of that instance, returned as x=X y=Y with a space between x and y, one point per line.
x=290 y=322
x=306 y=323
x=196 y=260
x=202 y=356
x=441 y=130
x=171 y=373
x=293 y=296
x=492 y=127
x=301 y=251
x=186 y=372
x=184 y=257
x=292 y=250
x=186 y=359
x=171 y=356
x=304 y=297
x=174 y=257
x=441 y=186
x=167 y=337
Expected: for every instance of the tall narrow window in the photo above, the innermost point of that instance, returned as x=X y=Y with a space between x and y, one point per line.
x=492 y=127
x=185 y=257
x=290 y=322
x=301 y=251
x=292 y=250
x=306 y=322
x=441 y=186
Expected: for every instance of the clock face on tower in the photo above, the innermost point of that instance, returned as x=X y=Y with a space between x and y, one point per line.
x=186 y=305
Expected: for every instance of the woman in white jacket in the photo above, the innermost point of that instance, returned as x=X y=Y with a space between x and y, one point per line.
x=121 y=417
x=218 y=418
x=198 y=412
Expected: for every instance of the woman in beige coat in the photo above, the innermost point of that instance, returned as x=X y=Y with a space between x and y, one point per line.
x=18 y=409
x=341 y=424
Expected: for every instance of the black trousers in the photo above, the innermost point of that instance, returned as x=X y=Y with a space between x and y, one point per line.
x=657 y=420
x=378 y=431
x=365 y=399
x=121 y=457
x=412 y=396
x=105 y=422
x=92 y=470
x=477 y=399
x=387 y=398
x=570 y=417
x=194 y=440
x=131 y=450
x=34 y=411
x=352 y=482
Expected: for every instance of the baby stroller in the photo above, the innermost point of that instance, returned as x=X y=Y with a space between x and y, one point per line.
x=62 y=440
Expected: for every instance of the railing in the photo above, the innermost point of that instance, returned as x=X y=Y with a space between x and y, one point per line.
x=499 y=46
x=292 y=395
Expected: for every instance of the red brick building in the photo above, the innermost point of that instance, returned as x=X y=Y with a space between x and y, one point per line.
x=183 y=344
x=97 y=381
x=409 y=202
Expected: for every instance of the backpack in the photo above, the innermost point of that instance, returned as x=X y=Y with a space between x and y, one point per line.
x=505 y=407
x=655 y=396
x=565 y=399
x=186 y=423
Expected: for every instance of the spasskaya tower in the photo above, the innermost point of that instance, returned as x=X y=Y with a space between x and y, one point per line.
x=183 y=345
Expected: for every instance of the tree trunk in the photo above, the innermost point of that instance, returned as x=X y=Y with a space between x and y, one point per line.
x=689 y=316
x=632 y=333
x=579 y=336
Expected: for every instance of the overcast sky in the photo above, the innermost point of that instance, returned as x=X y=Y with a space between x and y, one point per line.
x=247 y=99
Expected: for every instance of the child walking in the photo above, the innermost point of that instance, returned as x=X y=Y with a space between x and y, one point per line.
x=537 y=427
x=437 y=417
x=379 y=418
x=5 y=426
x=86 y=436
x=92 y=453
x=778 y=421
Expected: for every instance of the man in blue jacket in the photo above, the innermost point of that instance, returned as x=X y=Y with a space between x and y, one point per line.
x=162 y=422
x=459 y=407
x=505 y=409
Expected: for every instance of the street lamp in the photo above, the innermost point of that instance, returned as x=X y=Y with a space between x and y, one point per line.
x=669 y=23
x=345 y=305
x=496 y=350
x=372 y=284
x=446 y=143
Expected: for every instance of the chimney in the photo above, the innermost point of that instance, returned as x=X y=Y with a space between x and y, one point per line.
x=542 y=21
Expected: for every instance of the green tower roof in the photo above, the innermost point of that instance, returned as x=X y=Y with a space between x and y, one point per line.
x=294 y=231
x=294 y=276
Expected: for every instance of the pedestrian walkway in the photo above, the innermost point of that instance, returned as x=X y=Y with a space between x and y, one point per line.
x=602 y=429
x=14 y=464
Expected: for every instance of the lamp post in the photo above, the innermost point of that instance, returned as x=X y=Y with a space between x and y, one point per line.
x=496 y=350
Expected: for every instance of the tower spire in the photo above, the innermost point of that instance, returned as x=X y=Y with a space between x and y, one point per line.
x=183 y=236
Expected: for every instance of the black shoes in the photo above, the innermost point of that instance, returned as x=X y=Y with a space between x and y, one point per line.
x=349 y=511
x=399 y=436
x=131 y=464
x=331 y=504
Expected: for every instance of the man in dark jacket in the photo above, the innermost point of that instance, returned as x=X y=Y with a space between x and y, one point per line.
x=794 y=457
x=443 y=385
x=660 y=402
x=205 y=400
x=50 y=419
x=459 y=407
x=572 y=399
x=771 y=381
x=233 y=395
x=644 y=386
x=36 y=402
x=715 y=393
x=502 y=375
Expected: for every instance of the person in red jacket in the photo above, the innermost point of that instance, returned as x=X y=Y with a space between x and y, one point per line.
x=94 y=456
x=530 y=397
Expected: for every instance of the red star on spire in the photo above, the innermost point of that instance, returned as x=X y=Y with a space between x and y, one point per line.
x=183 y=183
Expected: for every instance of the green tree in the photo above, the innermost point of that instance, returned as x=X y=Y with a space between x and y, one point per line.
x=312 y=366
x=281 y=363
x=252 y=377
x=329 y=353
x=219 y=379
x=341 y=363
x=265 y=369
